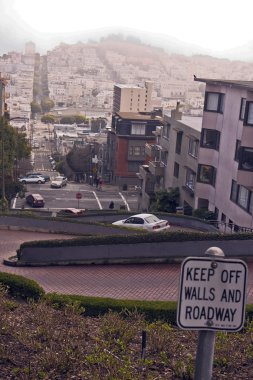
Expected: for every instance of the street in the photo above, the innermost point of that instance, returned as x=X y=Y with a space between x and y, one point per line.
x=66 y=197
x=131 y=281
x=92 y=198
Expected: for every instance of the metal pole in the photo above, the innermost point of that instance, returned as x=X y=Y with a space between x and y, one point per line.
x=206 y=339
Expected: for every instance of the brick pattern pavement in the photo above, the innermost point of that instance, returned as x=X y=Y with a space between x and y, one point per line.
x=137 y=282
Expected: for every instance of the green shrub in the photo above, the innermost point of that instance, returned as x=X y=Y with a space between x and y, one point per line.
x=19 y=286
x=94 y=306
x=138 y=238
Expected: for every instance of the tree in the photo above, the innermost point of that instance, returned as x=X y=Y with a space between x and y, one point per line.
x=35 y=107
x=71 y=119
x=47 y=104
x=15 y=147
x=48 y=118
x=67 y=120
x=166 y=201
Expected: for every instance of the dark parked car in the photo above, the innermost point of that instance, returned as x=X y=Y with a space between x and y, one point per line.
x=35 y=200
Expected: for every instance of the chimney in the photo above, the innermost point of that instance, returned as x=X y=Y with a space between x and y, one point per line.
x=176 y=114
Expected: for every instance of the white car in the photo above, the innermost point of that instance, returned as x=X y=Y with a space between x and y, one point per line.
x=147 y=222
x=32 y=178
x=71 y=212
x=59 y=182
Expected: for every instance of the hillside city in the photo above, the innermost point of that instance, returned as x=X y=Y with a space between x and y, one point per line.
x=147 y=119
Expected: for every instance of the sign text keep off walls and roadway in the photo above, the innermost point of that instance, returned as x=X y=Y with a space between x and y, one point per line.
x=212 y=294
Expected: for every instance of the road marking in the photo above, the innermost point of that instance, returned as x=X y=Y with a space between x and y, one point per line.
x=99 y=204
x=124 y=200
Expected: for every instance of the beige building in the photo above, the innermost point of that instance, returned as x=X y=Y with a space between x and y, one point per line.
x=127 y=98
x=173 y=160
x=225 y=170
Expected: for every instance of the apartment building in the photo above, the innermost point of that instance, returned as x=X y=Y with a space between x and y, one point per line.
x=172 y=161
x=126 y=144
x=225 y=170
x=127 y=98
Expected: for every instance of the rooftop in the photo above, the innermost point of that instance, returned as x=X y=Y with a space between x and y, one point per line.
x=194 y=122
x=230 y=83
x=138 y=116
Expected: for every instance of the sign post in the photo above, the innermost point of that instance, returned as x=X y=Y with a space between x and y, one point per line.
x=212 y=298
x=78 y=197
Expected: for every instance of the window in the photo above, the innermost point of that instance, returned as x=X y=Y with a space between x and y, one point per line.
x=166 y=131
x=137 y=151
x=234 y=190
x=223 y=217
x=246 y=159
x=237 y=147
x=190 y=179
x=243 y=197
x=179 y=142
x=251 y=203
x=214 y=102
x=138 y=129
x=133 y=166
x=210 y=138
x=248 y=117
x=242 y=109
x=206 y=174
x=176 y=169
x=193 y=147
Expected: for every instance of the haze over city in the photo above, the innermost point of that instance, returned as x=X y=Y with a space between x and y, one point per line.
x=193 y=27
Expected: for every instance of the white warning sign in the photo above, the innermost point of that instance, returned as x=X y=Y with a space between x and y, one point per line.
x=212 y=294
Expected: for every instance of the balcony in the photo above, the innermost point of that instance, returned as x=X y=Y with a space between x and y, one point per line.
x=151 y=151
x=144 y=172
x=157 y=168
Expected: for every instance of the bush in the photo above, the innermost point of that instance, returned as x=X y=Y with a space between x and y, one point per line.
x=19 y=286
x=94 y=306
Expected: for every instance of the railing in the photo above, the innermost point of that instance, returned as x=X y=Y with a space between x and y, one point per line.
x=229 y=227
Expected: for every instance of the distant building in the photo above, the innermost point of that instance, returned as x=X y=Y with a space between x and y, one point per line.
x=30 y=48
x=127 y=98
x=225 y=170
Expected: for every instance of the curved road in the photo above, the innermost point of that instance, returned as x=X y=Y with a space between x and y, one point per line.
x=139 y=282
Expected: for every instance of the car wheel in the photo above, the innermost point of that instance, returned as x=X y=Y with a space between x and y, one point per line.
x=24 y=182
x=39 y=181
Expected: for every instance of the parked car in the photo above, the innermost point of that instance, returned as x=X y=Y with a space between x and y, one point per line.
x=147 y=222
x=45 y=176
x=32 y=179
x=59 y=182
x=72 y=212
x=35 y=200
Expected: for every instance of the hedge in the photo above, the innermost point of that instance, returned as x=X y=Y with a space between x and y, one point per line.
x=138 y=238
x=19 y=286
x=152 y=310
x=95 y=306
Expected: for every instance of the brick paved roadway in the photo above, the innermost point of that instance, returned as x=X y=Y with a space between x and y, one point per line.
x=140 y=282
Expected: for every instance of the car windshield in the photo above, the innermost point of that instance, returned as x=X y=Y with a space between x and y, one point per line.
x=152 y=219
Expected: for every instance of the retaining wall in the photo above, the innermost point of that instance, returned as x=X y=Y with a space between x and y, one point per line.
x=131 y=253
